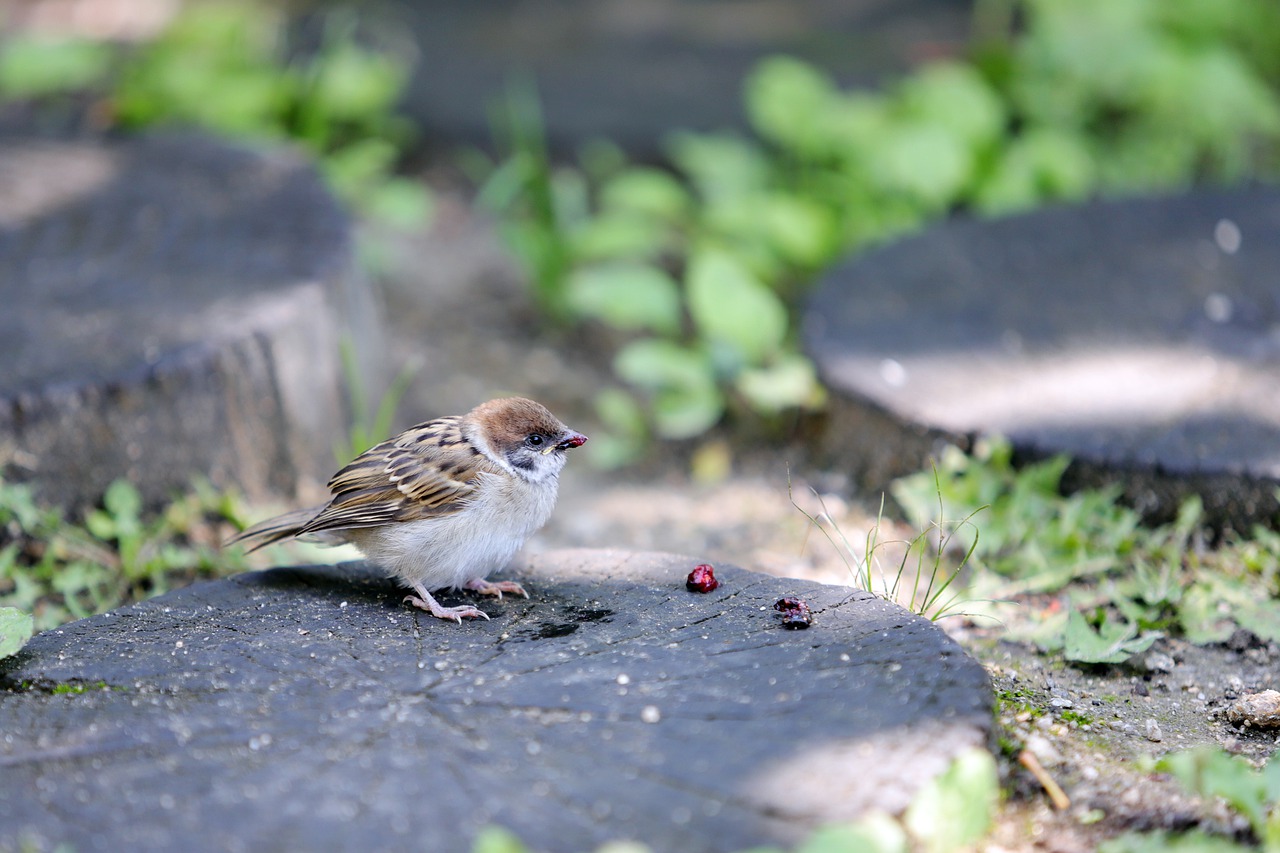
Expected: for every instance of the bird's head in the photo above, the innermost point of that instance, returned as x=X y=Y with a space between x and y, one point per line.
x=523 y=436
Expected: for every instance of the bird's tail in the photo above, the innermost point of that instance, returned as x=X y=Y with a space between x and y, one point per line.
x=274 y=529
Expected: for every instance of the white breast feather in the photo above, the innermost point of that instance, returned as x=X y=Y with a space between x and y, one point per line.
x=451 y=550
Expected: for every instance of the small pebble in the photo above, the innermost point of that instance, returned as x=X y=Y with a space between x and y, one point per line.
x=1153 y=731
x=1256 y=710
x=1043 y=749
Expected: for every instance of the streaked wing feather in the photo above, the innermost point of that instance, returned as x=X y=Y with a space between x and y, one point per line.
x=274 y=529
x=426 y=471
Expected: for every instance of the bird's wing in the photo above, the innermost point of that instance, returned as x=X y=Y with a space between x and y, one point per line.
x=427 y=471
x=274 y=529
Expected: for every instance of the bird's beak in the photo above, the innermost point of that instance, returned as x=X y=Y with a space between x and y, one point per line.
x=575 y=439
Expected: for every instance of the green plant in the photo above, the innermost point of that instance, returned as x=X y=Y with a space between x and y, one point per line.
x=76 y=688
x=49 y=67
x=16 y=628
x=1211 y=773
x=696 y=267
x=1128 y=584
x=225 y=67
x=58 y=570
x=537 y=200
x=700 y=332
x=1150 y=94
x=931 y=547
x=369 y=425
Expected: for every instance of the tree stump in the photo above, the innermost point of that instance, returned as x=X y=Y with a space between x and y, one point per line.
x=307 y=708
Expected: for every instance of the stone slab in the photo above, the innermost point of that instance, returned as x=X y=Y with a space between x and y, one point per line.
x=632 y=71
x=306 y=708
x=1142 y=337
x=172 y=306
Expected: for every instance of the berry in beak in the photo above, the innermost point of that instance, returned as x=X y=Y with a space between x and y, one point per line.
x=575 y=439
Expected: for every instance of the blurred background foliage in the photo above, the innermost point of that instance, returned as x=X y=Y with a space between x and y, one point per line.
x=697 y=264
x=228 y=68
x=693 y=266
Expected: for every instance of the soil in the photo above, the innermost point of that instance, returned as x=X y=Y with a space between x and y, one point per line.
x=455 y=303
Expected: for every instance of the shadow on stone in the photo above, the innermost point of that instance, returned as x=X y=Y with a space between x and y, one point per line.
x=172 y=307
x=1140 y=337
x=306 y=709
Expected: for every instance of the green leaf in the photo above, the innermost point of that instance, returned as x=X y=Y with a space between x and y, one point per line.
x=619 y=235
x=790 y=382
x=16 y=628
x=686 y=401
x=875 y=833
x=1260 y=615
x=496 y=839
x=1112 y=643
x=625 y=432
x=351 y=83
x=34 y=67
x=957 y=98
x=1210 y=772
x=955 y=809
x=924 y=160
x=788 y=101
x=123 y=501
x=800 y=230
x=721 y=166
x=627 y=296
x=398 y=202
x=733 y=307
x=1040 y=165
x=353 y=167
x=1204 y=614
x=1215 y=604
x=647 y=191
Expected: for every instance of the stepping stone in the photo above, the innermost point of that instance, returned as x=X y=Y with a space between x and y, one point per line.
x=172 y=306
x=307 y=709
x=1141 y=337
x=631 y=72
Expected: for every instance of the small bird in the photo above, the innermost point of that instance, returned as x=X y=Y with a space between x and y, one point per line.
x=443 y=503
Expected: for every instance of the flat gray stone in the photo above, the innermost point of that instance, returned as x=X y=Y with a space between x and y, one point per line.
x=631 y=72
x=172 y=306
x=306 y=708
x=1141 y=337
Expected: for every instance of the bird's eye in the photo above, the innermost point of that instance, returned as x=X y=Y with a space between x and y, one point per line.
x=534 y=440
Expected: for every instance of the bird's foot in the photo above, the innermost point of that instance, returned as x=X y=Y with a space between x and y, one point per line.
x=424 y=601
x=485 y=587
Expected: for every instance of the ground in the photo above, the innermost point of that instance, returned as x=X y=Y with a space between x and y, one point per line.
x=455 y=304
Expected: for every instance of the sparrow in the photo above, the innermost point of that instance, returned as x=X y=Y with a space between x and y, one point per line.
x=443 y=503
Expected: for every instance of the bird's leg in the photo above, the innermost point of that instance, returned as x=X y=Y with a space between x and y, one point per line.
x=485 y=587
x=424 y=601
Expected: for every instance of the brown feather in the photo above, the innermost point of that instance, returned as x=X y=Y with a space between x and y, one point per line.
x=427 y=471
x=274 y=529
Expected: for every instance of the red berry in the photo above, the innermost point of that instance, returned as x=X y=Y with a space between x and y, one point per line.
x=702 y=579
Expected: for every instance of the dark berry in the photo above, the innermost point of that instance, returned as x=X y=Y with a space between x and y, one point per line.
x=702 y=579
x=795 y=613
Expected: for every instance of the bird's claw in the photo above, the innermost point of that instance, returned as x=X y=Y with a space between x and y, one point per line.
x=485 y=587
x=452 y=614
